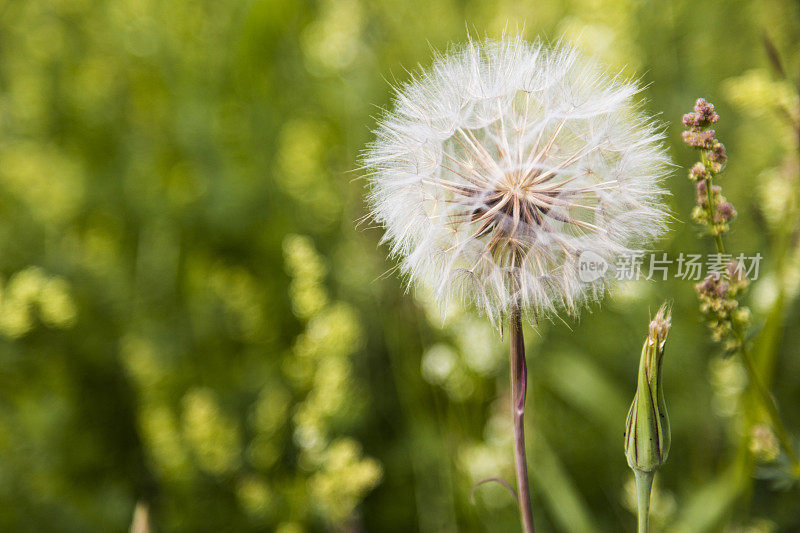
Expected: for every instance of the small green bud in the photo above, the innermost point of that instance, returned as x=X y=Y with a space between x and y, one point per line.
x=647 y=435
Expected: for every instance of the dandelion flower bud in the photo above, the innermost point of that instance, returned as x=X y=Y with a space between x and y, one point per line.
x=647 y=434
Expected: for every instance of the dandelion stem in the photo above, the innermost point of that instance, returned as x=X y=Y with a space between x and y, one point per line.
x=519 y=381
x=644 y=483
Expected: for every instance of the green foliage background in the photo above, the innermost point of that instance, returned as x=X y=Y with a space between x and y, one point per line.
x=192 y=319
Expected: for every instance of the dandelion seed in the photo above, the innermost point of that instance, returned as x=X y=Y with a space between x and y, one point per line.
x=503 y=163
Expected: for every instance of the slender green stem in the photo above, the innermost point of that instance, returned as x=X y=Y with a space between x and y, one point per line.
x=766 y=398
x=711 y=208
x=519 y=381
x=644 y=483
x=768 y=401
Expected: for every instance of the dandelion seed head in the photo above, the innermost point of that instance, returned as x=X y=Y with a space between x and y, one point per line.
x=504 y=162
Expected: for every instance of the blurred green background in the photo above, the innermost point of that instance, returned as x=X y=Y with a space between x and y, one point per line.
x=192 y=320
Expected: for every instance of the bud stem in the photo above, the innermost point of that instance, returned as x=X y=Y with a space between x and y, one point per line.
x=519 y=381
x=644 y=483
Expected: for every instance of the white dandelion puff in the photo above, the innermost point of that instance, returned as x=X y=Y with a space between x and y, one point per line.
x=503 y=163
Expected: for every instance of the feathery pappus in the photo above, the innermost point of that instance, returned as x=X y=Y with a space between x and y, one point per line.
x=504 y=163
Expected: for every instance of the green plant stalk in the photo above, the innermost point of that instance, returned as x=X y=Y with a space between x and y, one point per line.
x=644 y=484
x=708 y=505
x=766 y=398
x=710 y=204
